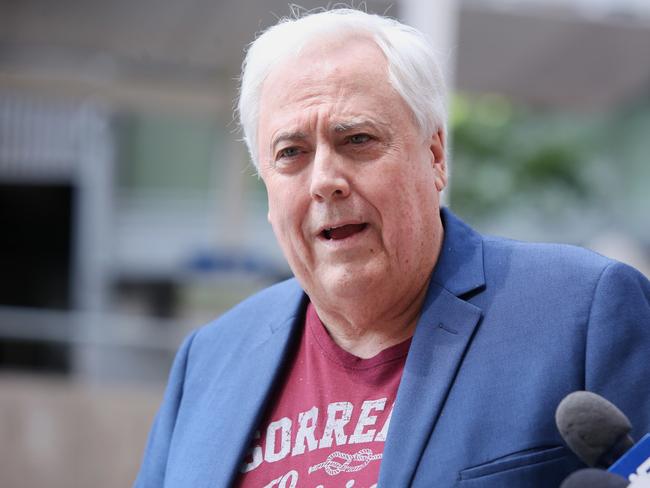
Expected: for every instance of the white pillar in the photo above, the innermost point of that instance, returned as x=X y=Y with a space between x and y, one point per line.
x=438 y=20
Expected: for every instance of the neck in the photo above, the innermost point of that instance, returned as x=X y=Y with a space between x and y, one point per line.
x=366 y=329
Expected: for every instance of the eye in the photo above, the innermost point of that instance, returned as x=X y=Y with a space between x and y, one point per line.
x=358 y=138
x=288 y=152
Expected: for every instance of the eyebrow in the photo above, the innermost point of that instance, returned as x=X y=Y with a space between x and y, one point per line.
x=287 y=136
x=353 y=125
x=339 y=127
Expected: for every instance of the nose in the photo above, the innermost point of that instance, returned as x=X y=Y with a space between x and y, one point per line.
x=328 y=180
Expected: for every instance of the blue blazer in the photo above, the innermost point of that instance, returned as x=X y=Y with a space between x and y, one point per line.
x=507 y=330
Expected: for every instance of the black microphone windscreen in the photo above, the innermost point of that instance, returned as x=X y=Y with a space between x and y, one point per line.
x=593 y=428
x=594 y=478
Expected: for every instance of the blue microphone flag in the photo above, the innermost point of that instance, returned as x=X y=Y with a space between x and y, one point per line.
x=634 y=465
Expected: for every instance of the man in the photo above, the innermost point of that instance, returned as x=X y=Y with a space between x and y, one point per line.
x=409 y=350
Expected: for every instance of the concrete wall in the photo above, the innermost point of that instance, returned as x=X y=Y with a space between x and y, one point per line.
x=56 y=433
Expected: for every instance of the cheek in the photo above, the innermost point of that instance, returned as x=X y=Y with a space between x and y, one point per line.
x=277 y=200
x=286 y=215
x=277 y=214
x=408 y=209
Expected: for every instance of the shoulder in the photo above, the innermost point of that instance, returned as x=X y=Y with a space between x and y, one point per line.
x=563 y=277
x=274 y=300
x=265 y=310
x=507 y=262
x=543 y=260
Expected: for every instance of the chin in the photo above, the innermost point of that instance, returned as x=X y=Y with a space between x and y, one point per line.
x=347 y=281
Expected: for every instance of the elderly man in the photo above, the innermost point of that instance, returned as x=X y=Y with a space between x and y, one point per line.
x=409 y=350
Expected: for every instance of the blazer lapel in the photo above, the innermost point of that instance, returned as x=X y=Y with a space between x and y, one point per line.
x=237 y=402
x=443 y=333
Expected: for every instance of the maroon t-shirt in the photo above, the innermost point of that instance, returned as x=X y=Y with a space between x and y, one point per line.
x=329 y=421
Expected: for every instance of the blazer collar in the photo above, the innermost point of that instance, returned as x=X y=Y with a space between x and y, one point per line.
x=240 y=391
x=460 y=265
x=442 y=336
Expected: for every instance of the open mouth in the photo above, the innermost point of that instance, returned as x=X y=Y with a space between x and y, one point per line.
x=342 y=232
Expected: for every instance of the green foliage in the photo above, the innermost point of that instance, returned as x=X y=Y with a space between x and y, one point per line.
x=503 y=155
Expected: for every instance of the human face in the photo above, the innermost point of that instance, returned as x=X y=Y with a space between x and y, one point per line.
x=352 y=183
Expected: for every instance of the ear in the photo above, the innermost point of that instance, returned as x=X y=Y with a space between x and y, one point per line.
x=438 y=159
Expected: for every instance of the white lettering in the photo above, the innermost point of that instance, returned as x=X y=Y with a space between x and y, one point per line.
x=641 y=479
x=365 y=420
x=335 y=425
x=381 y=435
x=284 y=427
x=281 y=482
x=307 y=425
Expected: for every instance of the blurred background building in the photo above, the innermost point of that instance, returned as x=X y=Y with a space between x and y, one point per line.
x=129 y=213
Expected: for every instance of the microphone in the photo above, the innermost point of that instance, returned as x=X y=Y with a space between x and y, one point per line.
x=593 y=428
x=599 y=434
x=594 y=478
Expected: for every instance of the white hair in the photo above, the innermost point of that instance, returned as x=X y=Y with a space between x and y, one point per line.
x=413 y=70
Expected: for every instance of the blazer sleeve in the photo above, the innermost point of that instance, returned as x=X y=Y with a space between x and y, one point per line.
x=618 y=343
x=154 y=463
